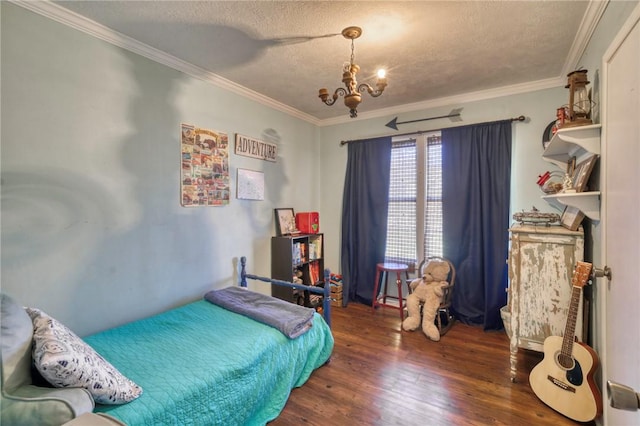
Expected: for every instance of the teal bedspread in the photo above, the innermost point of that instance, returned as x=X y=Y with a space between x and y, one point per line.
x=203 y=365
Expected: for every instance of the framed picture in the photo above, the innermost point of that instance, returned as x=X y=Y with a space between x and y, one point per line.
x=204 y=177
x=582 y=173
x=571 y=218
x=571 y=166
x=285 y=222
x=250 y=185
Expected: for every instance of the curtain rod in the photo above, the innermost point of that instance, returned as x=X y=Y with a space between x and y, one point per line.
x=418 y=132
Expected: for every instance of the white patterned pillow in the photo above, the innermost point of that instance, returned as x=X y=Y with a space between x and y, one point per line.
x=65 y=360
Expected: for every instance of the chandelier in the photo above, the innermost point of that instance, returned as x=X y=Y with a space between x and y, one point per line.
x=351 y=94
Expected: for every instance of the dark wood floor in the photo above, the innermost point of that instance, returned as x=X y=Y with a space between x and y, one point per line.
x=380 y=375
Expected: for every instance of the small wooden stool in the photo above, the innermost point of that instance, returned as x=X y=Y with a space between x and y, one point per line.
x=382 y=272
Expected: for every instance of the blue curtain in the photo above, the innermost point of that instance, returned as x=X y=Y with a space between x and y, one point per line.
x=364 y=217
x=476 y=163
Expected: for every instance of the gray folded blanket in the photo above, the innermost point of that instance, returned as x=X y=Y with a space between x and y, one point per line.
x=292 y=320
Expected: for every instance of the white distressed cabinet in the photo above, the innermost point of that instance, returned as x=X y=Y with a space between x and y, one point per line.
x=541 y=262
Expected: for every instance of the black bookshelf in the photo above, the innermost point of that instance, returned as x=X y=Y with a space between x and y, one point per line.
x=298 y=258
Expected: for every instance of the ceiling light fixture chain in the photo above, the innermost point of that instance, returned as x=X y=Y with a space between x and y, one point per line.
x=352 y=97
x=353 y=50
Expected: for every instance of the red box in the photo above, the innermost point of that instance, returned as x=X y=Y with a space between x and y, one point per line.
x=308 y=222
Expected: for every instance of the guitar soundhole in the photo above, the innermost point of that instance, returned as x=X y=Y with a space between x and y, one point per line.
x=565 y=361
x=573 y=368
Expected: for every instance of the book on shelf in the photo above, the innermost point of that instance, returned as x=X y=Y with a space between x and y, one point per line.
x=314 y=272
x=303 y=252
x=315 y=247
x=296 y=254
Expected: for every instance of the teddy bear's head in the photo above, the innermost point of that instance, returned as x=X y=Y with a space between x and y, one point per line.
x=436 y=270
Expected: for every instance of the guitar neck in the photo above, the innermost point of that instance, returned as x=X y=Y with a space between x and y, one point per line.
x=570 y=328
x=580 y=277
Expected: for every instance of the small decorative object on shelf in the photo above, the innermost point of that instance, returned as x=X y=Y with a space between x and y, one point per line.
x=579 y=102
x=571 y=218
x=285 y=222
x=548 y=133
x=567 y=184
x=308 y=222
x=562 y=114
x=569 y=177
x=582 y=173
x=536 y=217
x=551 y=182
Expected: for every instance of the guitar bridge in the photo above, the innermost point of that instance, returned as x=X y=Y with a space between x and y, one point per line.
x=561 y=384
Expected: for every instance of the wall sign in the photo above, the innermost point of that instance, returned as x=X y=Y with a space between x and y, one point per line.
x=204 y=180
x=255 y=148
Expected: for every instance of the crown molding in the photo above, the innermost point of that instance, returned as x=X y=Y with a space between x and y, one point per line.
x=595 y=10
x=71 y=19
x=46 y=8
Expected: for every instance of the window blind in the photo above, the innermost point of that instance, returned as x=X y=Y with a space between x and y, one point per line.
x=401 y=221
x=433 y=200
x=402 y=210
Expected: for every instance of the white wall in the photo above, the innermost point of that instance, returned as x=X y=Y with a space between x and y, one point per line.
x=92 y=227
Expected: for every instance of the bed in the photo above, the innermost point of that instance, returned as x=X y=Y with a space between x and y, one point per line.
x=201 y=364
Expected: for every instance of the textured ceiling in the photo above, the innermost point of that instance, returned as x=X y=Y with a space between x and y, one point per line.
x=287 y=50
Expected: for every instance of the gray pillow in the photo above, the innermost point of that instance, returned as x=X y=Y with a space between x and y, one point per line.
x=17 y=331
x=65 y=360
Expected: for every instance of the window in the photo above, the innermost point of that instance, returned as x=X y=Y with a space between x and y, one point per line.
x=401 y=221
x=414 y=224
x=433 y=200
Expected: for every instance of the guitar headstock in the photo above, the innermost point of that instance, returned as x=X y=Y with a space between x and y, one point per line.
x=581 y=274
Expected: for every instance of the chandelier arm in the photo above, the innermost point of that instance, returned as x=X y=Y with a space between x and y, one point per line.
x=365 y=87
x=330 y=101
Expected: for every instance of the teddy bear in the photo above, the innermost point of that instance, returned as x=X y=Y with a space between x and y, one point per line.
x=427 y=291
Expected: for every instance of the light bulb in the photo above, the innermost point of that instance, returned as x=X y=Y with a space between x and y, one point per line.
x=381 y=73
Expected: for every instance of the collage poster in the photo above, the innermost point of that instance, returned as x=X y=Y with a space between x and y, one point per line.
x=205 y=167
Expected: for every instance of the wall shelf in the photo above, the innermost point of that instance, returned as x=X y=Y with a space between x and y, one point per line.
x=573 y=142
x=587 y=202
x=579 y=142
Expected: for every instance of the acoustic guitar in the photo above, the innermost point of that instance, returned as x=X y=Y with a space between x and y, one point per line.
x=564 y=378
